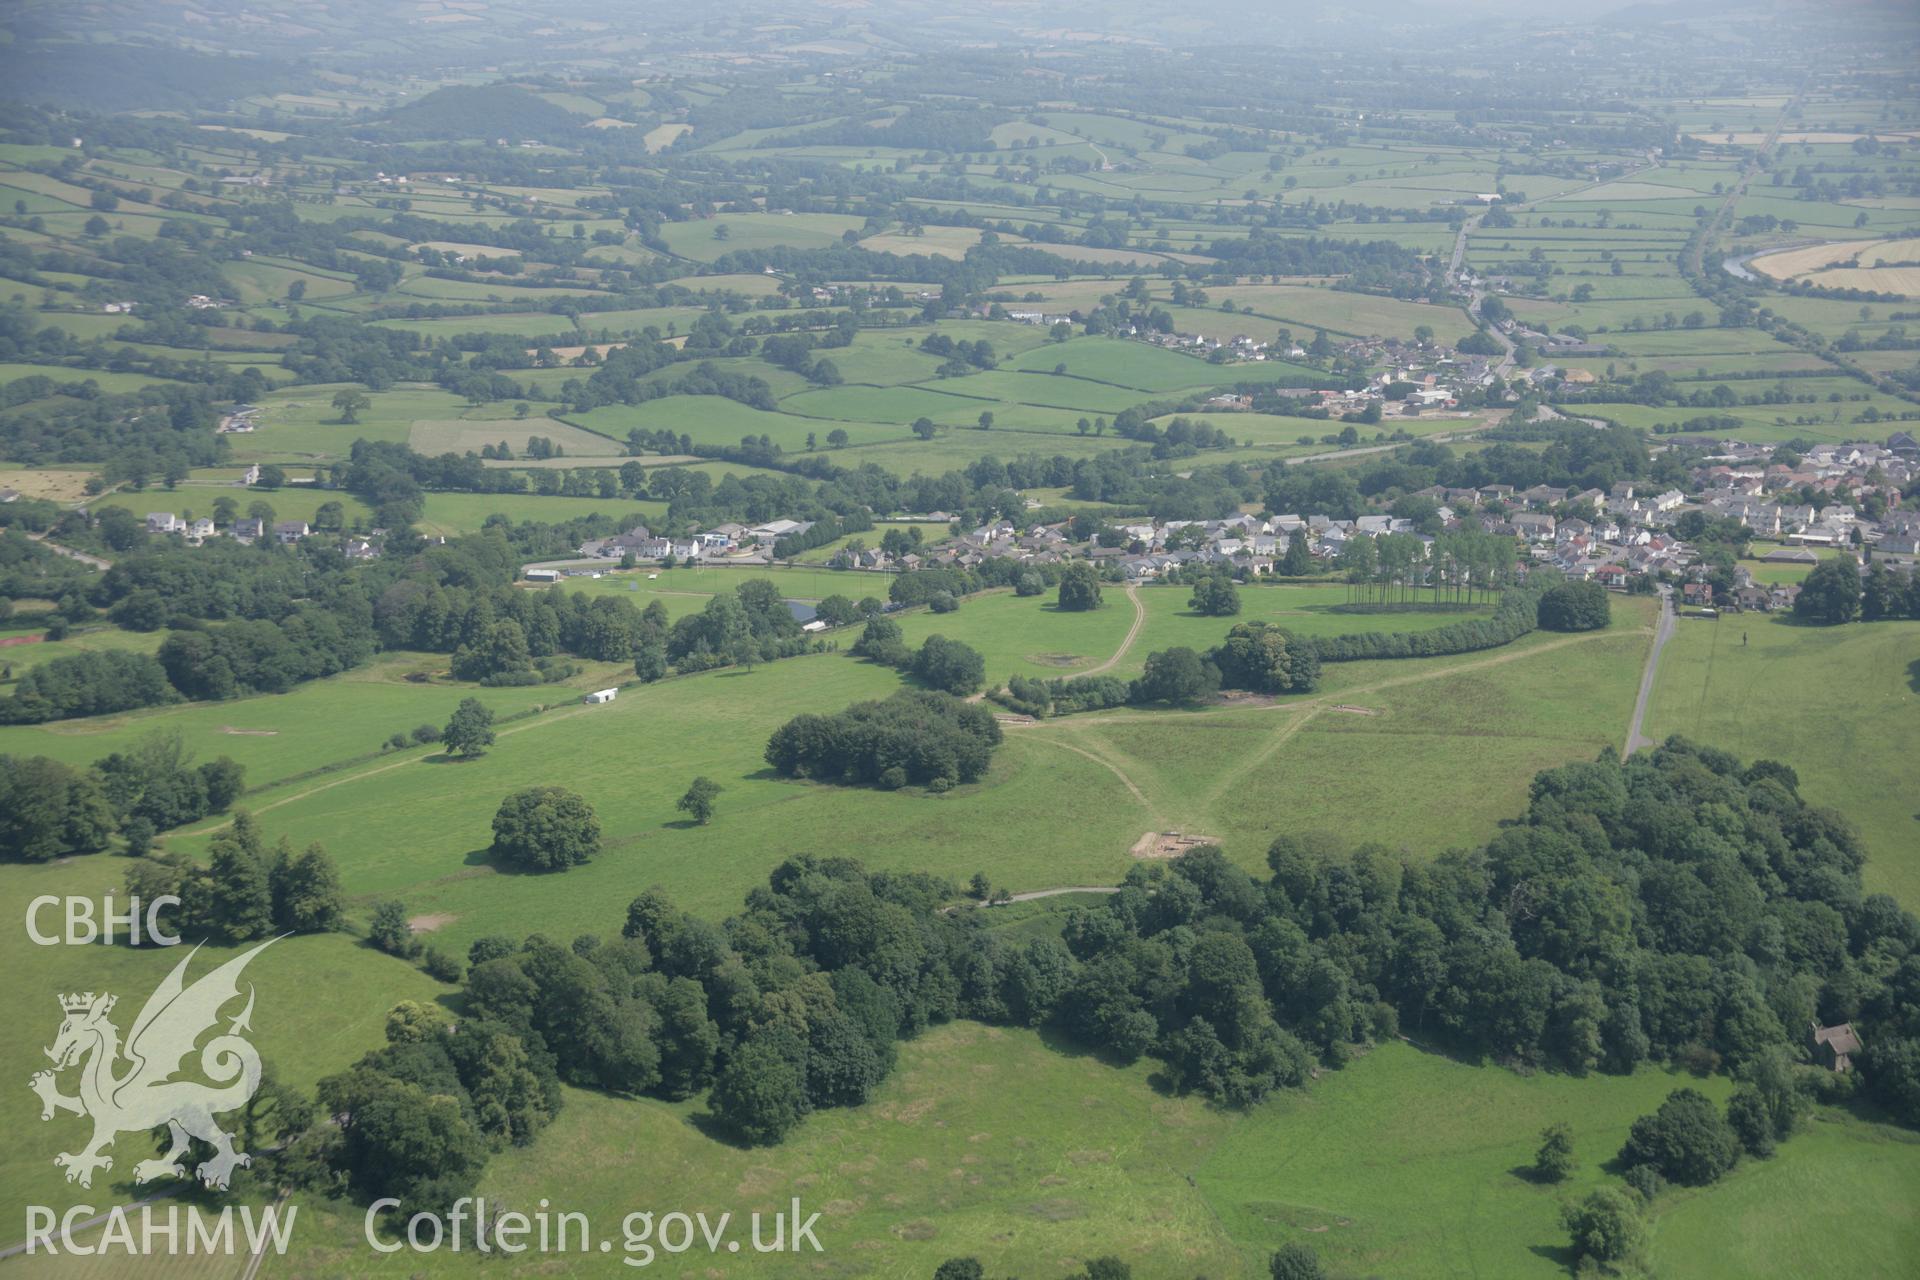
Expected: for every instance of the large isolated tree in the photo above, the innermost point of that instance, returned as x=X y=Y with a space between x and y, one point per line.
x=697 y=803
x=1553 y=1162
x=1079 y=587
x=470 y=731
x=350 y=402
x=545 y=829
x=1215 y=595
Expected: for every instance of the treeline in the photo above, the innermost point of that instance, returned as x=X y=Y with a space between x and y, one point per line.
x=50 y=810
x=1837 y=592
x=263 y=619
x=234 y=659
x=622 y=380
x=1131 y=478
x=1517 y=614
x=921 y=127
x=1371 y=264
x=1576 y=457
x=173 y=431
x=239 y=659
x=1180 y=438
x=87 y=684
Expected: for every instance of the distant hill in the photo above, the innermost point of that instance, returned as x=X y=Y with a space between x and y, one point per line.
x=483 y=111
x=122 y=77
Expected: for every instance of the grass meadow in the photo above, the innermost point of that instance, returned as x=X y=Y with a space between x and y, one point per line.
x=22 y=649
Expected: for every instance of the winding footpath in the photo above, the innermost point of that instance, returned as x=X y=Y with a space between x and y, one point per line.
x=1662 y=632
x=94 y=561
x=1036 y=894
x=1133 y=633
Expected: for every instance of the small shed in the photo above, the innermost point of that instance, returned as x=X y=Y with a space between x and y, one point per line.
x=602 y=695
x=542 y=575
x=1835 y=1046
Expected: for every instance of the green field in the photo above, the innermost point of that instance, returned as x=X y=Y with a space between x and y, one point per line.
x=1305 y=610
x=22 y=658
x=1030 y=636
x=319 y=723
x=749 y=231
x=107 y=381
x=434 y=436
x=1363 y=756
x=300 y=423
x=294 y=503
x=410 y=825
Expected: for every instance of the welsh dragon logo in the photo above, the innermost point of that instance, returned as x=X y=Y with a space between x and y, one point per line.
x=144 y=1095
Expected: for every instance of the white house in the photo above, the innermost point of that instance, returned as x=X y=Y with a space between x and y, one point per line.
x=165 y=522
x=602 y=695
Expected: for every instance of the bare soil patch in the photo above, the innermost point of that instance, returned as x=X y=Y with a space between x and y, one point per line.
x=1353 y=710
x=429 y=923
x=574 y=353
x=250 y=733
x=1167 y=844
x=1056 y=659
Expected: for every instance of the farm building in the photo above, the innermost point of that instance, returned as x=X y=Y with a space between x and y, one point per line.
x=543 y=575
x=602 y=695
